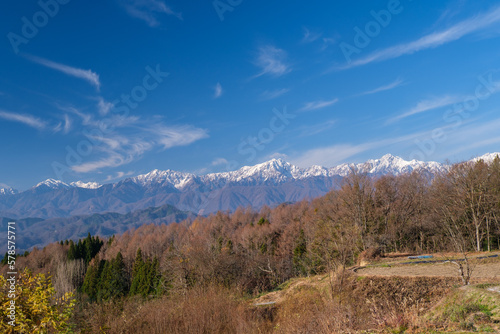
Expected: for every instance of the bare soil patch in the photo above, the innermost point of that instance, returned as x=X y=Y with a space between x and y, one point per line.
x=486 y=270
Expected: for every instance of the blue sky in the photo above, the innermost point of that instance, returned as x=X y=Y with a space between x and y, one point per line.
x=100 y=90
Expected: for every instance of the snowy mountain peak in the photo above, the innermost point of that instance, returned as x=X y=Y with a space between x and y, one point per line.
x=8 y=191
x=314 y=171
x=164 y=178
x=275 y=164
x=388 y=160
x=276 y=169
x=278 y=165
x=52 y=184
x=488 y=157
x=390 y=157
x=88 y=185
x=390 y=164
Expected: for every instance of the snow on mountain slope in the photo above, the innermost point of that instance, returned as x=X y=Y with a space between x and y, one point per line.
x=488 y=157
x=315 y=171
x=163 y=178
x=52 y=184
x=275 y=171
x=56 y=184
x=8 y=191
x=390 y=164
x=88 y=185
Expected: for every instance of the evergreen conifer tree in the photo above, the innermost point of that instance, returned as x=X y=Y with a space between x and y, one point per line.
x=137 y=272
x=92 y=278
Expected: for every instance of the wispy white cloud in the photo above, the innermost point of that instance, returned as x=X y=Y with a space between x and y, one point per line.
x=218 y=91
x=426 y=105
x=149 y=10
x=335 y=154
x=201 y=171
x=87 y=119
x=315 y=105
x=278 y=155
x=328 y=156
x=449 y=13
x=63 y=126
x=67 y=124
x=219 y=161
x=87 y=75
x=113 y=159
x=471 y=136
x=272 y=61
x=131 y=138
x=28 y=120
x=171 y=136
x=104 y=106
x=432 y=40
x=128 y=152
x=327 y=41
x=447 y=100
x=118 y=175
x=309 y=36
x=474 y=145
x=311 y=130
x=398 y=82
x=272 y=94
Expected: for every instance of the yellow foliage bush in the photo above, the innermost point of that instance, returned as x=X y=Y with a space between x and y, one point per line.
x=36 y=308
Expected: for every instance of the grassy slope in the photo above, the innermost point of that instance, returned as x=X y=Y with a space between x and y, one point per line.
x=392 y=304
x=475 y=308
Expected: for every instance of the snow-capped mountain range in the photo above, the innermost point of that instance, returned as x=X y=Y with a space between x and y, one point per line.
x=51 y=184
x=56 y=184
x=278 y=171
x=269 y=183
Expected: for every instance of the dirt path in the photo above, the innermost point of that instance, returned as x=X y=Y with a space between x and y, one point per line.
x=490 y=270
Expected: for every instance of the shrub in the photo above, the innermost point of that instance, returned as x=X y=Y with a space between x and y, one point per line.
x=36 y=308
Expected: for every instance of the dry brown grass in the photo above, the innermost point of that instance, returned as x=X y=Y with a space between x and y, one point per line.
x=200 y=310
x=303 y=306
x=368 y=303
x=395 y=302
x=311 y=310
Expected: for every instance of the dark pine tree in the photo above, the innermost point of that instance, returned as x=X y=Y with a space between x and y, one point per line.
x=92 y=278
x=113 y=282
x=72 y=251
x=137 y=273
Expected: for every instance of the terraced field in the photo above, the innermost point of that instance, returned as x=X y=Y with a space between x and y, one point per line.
x=485 y=267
